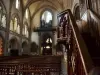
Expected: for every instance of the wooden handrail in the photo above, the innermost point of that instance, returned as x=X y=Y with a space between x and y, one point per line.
x=83 y=51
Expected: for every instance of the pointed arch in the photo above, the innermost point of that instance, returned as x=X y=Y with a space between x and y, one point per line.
x=15 y=23
x=14 y=46
x=46 y=18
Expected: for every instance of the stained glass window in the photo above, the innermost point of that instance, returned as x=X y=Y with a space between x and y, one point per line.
x=46 y=19
x=17 y=4
x=3 y=20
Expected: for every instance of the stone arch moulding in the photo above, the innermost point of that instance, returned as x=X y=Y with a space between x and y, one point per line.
x=74 y=9
x=15 y=15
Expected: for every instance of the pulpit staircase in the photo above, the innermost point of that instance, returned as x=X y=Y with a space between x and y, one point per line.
x=83 y=50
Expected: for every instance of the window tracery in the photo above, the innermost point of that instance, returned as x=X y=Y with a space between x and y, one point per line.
x=14 y=25
x=46 y=19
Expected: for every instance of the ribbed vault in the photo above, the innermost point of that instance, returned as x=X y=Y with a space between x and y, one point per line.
x=36 y=6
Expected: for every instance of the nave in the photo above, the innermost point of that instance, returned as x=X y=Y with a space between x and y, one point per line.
x=49 y=37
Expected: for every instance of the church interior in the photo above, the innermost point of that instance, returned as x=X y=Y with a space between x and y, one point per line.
x=49 y=37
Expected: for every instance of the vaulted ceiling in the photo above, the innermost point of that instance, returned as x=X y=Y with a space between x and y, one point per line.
x=37 y=6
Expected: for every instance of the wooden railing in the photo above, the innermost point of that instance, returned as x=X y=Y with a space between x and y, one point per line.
x=27 y=68
x=79 y=60
x=31 y=65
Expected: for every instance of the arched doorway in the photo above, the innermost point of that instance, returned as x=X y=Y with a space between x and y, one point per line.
x=24 y=48
x=46 y=44
x=34 y=48
x=14 y=47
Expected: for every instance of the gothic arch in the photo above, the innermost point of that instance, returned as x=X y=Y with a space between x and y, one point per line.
x=34 y=47
x=15 y=15
x=14 y=43
x=15 y=24
x=14 y=46
x=16 y=12
x=49 y=11
x=76 y=11
x=24 y=43
x=46 y=9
